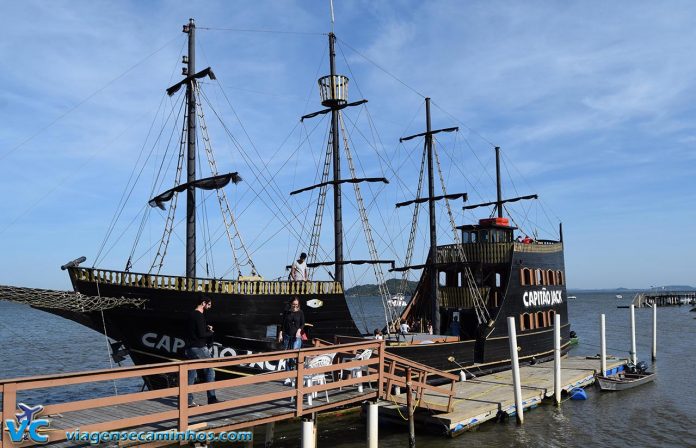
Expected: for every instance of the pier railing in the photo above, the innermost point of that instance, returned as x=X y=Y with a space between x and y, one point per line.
x=250 y=400
x=206 y=285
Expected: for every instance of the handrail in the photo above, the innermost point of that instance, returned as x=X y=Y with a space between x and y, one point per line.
x=206 y=285
x=179 y=411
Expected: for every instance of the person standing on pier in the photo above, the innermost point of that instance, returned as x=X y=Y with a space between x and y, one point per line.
x=290 y=334
x=199 y=335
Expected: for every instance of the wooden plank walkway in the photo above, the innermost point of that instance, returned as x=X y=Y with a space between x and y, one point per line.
x=246 y=402
x=221 y=420
x=481 y=399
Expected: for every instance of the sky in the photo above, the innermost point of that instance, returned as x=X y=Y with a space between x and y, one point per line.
x=591 y=102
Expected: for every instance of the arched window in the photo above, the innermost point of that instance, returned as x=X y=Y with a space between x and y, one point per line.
x=540 y=319
x=538 y=277
x=552 y=317
x=527 y=321
x=551 y=276
x=526 y=277
x=522 y=322
x=559 y=277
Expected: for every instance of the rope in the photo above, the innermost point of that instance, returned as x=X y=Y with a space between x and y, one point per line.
x=106 y=339
x=63 y=300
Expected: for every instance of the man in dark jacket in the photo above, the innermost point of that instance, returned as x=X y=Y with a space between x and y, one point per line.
x=198 y=335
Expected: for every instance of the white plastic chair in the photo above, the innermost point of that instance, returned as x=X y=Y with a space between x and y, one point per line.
x=312 y=379
x=357 y=372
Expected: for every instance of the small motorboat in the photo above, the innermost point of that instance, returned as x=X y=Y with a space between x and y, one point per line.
x=619 y=296
x=630 y=377
x=572 y=297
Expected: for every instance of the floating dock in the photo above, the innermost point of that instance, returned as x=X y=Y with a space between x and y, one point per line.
x=485 y=398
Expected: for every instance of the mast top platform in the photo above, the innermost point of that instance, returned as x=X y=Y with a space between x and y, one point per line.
x=333 y=90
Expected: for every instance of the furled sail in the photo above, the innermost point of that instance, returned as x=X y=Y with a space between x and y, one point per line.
x=208 y=183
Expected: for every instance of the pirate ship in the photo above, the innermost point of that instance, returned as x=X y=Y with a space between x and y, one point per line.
x=486 y=276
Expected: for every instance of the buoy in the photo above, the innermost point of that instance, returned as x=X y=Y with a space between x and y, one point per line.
x=578 y=393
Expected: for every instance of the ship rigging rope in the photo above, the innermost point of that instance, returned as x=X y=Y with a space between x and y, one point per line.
x=540 y=202
x=64 y=300
x=376 y=139
x=99 y=257
x=265 y=182
x=225 y=208
x=479 y=304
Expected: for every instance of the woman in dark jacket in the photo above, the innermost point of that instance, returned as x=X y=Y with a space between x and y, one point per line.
x=291 y=332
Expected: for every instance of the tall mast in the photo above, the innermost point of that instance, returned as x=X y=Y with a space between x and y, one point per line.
x=338 y=213
x=433 y=230
x=191 y=155
x=499 y=202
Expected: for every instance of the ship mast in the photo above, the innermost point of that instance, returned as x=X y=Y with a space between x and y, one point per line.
x=338 y=213
x=499 y=201
x=191 y=152
x=435 y=304
x=431 y=264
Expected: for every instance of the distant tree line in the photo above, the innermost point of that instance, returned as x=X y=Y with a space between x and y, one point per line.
x=393 y=284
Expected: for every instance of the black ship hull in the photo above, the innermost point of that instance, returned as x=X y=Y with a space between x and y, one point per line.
x=246 y=315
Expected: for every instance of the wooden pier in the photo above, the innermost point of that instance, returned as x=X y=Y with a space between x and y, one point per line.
x=355 y=373
x=489 y=397
x=664 y=298
x=350 y=374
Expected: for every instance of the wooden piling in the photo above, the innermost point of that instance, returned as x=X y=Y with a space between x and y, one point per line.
x=512 y=334
x=557 y=359
x=634 y=356
x=270 y=433
x=409 y=404
x=654 y=333
x=603 y=345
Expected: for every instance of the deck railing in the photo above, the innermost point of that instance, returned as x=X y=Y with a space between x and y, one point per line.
x=171 y=409
x=494 y=252
x=206 y=285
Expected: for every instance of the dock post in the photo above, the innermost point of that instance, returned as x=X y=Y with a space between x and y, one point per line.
x=372 y=425
x=250 y=443
x=603 y=345
x=409 y=404
x=654 y=346
x=515 y=369
x=634 y=356
x=270 y=431
x=308 y=433
x=557 y=359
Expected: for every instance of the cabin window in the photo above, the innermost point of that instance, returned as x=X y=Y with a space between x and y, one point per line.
x=522 y=323
x=442 y=278
x=526 y=277
x=552 y=316
x=527 y=321
x=551 y=276
x=540 y=319
x=538 y=277
x=497 y=279
x=559 y=277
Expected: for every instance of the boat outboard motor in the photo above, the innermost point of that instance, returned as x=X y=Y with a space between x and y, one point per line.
x=642 y=366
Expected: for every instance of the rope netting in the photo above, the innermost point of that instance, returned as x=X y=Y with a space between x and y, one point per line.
x=63 y=300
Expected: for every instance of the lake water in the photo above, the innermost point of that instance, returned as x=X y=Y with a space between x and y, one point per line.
x=661 y=414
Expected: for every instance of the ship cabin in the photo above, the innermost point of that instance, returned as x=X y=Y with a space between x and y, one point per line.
x=498 y=264
x=487 y=248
